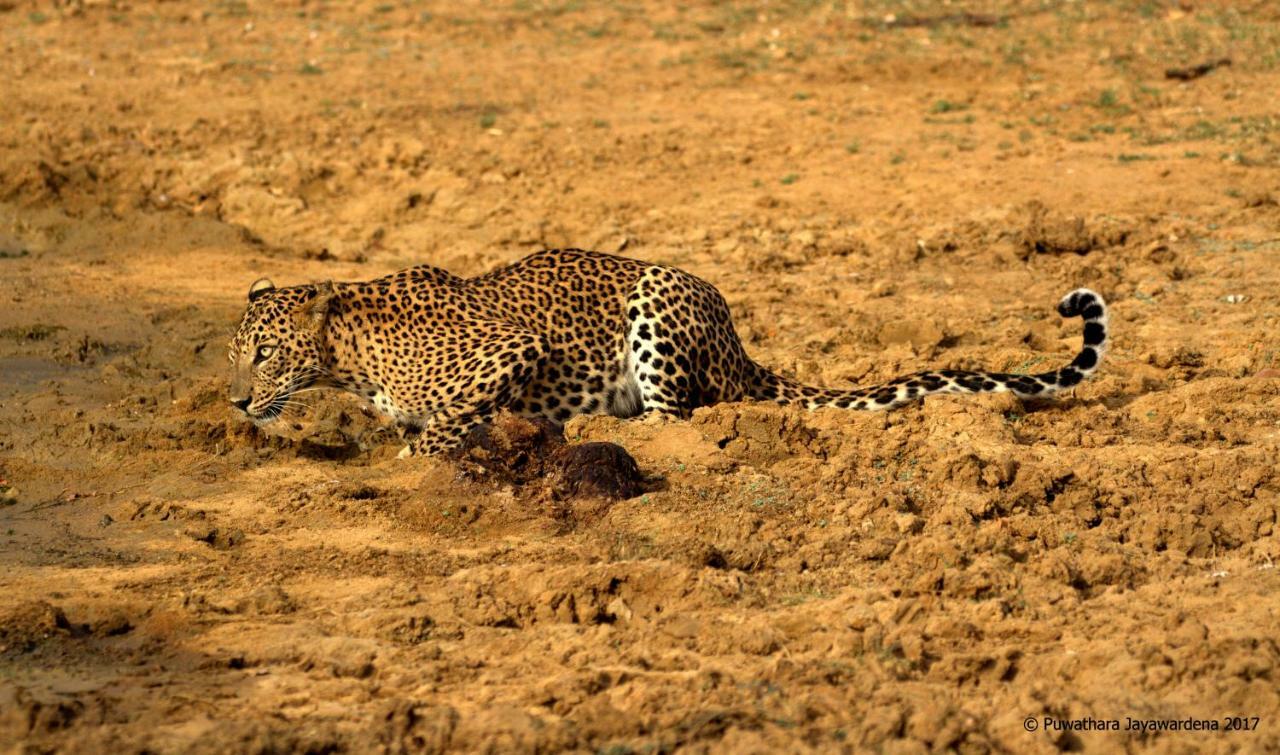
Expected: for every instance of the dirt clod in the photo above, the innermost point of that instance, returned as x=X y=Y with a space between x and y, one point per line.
x=509 y=450
x=602 y=470
x=1049 y=231
x=516 y=451
x=220 y=538
x=26 y=625
x=1188 y=73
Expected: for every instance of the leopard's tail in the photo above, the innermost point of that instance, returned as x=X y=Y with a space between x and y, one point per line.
x=1083 y=303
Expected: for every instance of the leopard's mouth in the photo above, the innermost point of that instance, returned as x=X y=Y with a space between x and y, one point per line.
x=270 y=412
x=265 y=413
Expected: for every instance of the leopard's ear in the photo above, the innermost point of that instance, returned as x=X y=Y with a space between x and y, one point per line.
x=312 y=312
x=261 y=286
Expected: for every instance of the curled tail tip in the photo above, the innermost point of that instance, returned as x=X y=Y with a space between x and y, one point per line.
x=1083 y=302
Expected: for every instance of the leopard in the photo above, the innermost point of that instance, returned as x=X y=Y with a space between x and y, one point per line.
x=556 y=334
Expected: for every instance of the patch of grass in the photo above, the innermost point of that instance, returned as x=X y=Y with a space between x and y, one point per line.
x=234 y=8
x=36 y=17
x=37 y=332
x=1109 y=102
x=946 y=106
x=790 y=178
x=853 y=147
x=547 y=9
x=1014 y=53
x=668 y=33
x=1256 y=125
x=802 y=96
x=1203 y=130
x=1025 y=367
x=488 y=119
x=742 y=59
x=1133 y=158
x=600 y=123
x=966 y=119
x=310 y=69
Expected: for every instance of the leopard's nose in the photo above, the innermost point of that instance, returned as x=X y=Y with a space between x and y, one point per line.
x=241 y=403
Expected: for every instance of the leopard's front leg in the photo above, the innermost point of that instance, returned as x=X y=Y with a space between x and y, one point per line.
x=446 y=430
x=502 y=363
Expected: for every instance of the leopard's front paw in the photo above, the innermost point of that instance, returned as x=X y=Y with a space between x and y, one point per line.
x=405 y=452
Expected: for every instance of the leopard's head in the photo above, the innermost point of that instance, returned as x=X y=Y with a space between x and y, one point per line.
x=278 y=349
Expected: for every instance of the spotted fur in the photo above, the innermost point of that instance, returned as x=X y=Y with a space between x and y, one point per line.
x=556 y=334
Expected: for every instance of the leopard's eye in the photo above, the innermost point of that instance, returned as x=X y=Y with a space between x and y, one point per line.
x=264 y=353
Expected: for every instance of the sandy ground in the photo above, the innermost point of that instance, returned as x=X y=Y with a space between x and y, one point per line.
x=877 y=187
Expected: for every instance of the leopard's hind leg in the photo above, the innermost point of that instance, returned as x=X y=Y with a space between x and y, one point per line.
x=682 y=351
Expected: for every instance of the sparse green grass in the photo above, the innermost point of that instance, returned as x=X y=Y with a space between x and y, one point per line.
x=683 y=59
x=1108 y=102
x=789 y=179
x=234 y=8
x=947 y=106
x=552 y=10
x=742 y=59
x=1025 y=367
x=37 y=332
x=963 y=120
